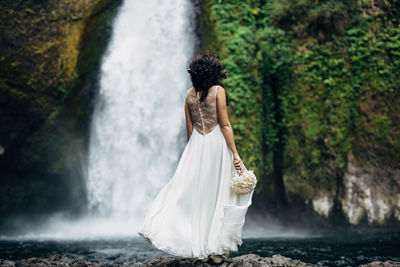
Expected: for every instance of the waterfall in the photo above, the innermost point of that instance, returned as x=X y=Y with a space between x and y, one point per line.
x=137 y=132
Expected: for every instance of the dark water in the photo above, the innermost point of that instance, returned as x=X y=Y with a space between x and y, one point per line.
x=334 y=249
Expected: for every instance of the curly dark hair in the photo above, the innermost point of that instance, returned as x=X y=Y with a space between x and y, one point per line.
x=205 y=71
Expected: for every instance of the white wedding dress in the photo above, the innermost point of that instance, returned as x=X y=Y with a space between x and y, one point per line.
x=195 y=214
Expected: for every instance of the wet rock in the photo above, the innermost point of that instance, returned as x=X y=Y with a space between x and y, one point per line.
x=381 y=263
x=248 y=260
x=256 y=260
x=370 y=193
x=244 y=260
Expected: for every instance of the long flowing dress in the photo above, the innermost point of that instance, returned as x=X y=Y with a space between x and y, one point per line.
x=195 y=214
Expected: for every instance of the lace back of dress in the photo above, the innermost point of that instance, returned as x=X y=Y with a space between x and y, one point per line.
x=203 y=113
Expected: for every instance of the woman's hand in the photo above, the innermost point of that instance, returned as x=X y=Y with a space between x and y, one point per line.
x=237 y=161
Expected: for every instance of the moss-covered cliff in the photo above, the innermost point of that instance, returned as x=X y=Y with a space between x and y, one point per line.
x=315 y=93
x=50 y=52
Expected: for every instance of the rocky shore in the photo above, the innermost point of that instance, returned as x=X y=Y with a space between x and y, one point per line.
x=249 y=260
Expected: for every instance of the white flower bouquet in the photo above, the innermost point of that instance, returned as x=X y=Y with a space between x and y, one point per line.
x=244 y=182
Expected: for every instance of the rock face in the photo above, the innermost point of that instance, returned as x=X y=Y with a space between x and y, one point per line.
x=370 y=193
x=50 y=52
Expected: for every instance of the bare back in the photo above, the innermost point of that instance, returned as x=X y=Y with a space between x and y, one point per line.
x=203 y=113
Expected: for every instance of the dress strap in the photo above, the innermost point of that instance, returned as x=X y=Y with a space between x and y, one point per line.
x=188 y=92
x=216 y=90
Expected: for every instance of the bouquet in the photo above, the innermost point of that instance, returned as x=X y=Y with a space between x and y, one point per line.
x=243 y=182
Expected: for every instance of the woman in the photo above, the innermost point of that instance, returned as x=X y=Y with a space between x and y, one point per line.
x=195 y=214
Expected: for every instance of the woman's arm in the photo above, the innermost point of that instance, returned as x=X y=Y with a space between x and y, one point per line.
x=226 y=127
x=189 y=124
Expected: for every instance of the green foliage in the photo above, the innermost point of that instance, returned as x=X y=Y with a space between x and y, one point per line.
x=316 y=79
x=275 y=64
x=60 y=93
x=275 y=69
x=323 y=110
x=321 y=19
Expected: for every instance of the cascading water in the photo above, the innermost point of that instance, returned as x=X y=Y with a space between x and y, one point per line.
x=138 y=123
x=138 y=126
